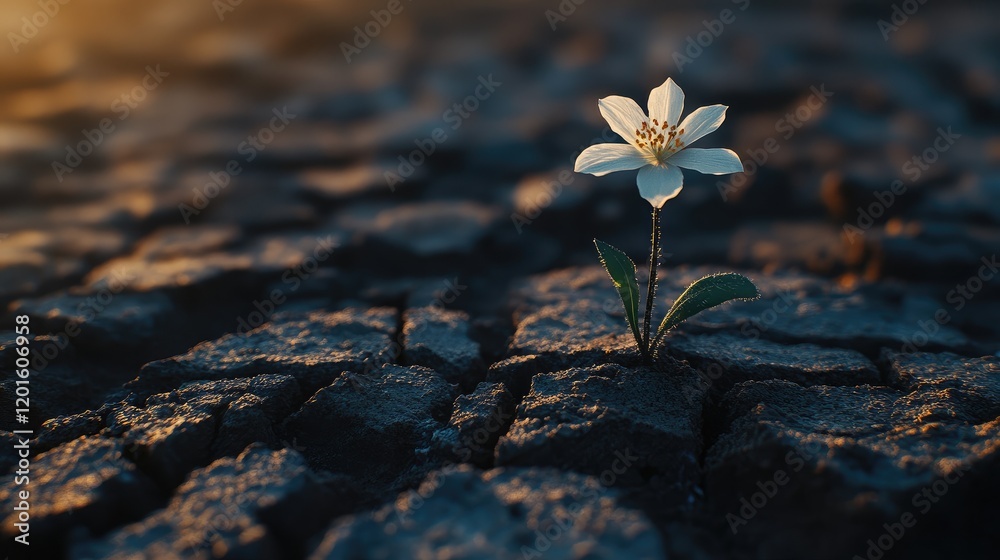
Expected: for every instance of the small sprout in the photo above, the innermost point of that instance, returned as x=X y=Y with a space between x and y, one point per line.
x=659 y=159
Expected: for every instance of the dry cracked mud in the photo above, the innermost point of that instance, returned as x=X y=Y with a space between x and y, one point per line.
x=314 y=365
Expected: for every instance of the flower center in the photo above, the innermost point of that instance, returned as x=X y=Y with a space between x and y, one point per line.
x=660 y=141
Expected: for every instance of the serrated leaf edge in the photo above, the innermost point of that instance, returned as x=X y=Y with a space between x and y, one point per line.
x=663 y=329
x=633 y=323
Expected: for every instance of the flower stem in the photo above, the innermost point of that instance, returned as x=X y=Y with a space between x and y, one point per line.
x=654 y=257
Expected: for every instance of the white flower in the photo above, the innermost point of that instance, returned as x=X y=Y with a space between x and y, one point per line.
x=658 y=144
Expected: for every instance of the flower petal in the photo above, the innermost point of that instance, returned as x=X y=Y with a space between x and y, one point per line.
x=716 y=161
x=702 y=121
x=624 y=116
x=666 y=102
x=659 y=183
x=601 y=159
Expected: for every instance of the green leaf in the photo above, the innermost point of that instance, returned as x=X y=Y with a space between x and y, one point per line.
x=707 y=293
x=621 y=269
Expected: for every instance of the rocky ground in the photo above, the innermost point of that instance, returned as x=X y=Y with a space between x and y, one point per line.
x=307 y=359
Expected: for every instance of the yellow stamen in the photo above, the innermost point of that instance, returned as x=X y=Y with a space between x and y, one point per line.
x=659 y=140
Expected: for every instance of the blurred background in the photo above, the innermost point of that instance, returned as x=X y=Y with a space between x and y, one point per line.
x=200 y=150
x=171 y=171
